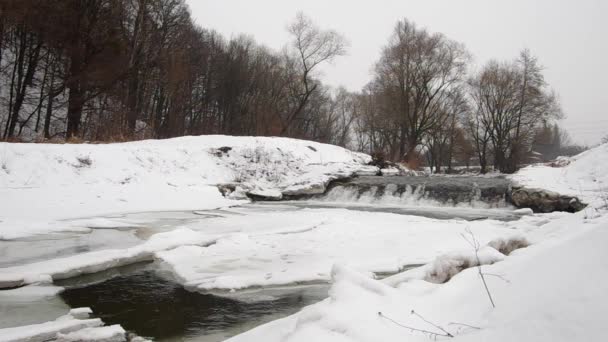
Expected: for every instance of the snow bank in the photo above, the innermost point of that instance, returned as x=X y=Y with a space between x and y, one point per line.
x=446 y=266
x=553 y=290
x=43 y=183
x=584 y=176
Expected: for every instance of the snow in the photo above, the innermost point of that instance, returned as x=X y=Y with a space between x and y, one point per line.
x=271 y=246
x=545 y=272
x=311 y=241
x=550 y=287
x=75 y=326
x=112 y=333
x=48 y=330
x=81 y=313
x=551 y=291
x=30 y=292
x=61 y=268
x=43 y=184
x=585 y=176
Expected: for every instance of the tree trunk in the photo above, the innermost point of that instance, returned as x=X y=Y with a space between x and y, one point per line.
x=411 y=158
x=75 y=103
x=49 y=105
x=76 y=84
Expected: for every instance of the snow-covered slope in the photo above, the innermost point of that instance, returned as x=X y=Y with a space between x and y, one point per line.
x=553 y=290
x=584 y=176
x=43 y=183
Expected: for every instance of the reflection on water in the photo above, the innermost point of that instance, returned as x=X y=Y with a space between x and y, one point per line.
x=150 y=306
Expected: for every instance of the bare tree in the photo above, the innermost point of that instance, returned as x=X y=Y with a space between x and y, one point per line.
x=510 y=101
x=416 y=73
x=311 y=47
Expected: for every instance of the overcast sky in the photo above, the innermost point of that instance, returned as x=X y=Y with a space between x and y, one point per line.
x=570 y=38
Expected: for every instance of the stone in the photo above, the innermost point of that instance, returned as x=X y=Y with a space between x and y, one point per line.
x=317 y=188
x=265 y=195
x=545 y=201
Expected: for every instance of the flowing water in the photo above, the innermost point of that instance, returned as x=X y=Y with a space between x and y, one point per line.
x=148 y=304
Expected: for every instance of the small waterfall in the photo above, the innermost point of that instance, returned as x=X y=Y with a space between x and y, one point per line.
x=444 y=193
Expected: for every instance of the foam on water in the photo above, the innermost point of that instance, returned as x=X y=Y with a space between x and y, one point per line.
x=392 y=194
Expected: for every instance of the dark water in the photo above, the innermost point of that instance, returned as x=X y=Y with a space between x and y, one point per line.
x=153 y=307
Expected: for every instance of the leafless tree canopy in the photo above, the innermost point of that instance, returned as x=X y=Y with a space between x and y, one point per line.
x=110 y=70
x=131 y=69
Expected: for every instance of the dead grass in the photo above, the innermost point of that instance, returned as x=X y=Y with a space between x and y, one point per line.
x=507 y=246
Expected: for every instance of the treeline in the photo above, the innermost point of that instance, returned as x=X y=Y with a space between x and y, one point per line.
x=113 y=70
x=129 y=69
x=424 y=100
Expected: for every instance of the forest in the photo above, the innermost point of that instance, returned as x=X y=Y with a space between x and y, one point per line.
x=122 y=70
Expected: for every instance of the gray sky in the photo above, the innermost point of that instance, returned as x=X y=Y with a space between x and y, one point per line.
x=570 y=38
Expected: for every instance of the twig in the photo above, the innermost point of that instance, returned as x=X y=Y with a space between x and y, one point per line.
x=603 y=193
x=499 y=277
x=431 y=323
x=465 y=325
x=475 y=244
x=430 y=333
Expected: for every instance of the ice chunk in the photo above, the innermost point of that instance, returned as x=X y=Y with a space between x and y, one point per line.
x=112 y=333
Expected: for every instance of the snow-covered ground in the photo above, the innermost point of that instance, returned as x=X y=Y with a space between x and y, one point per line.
x=584 y=176
x=310 y=241
x=553 y=290
x=265 y=245
x=120 y=195
x=43 y=184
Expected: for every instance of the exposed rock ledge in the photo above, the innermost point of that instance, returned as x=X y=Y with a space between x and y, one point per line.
x=539 y=200
x=304 y=188
x=544 y=201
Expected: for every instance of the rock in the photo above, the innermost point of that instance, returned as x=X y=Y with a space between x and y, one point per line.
x=307 y=189
x=545 y=201
x=560 y=162
x=393 y=171
x=523 y=212
x=265 y=195
x=367 y=170
x=220 y=152
x=227 y=189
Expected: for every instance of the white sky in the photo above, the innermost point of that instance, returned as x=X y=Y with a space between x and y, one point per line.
x=570 y=37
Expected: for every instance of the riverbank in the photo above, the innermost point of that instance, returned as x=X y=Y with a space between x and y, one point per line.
x=43 y=184
x=552 y=290
x=244 y=252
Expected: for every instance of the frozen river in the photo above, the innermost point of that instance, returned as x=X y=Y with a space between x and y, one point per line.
x=267 y=261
